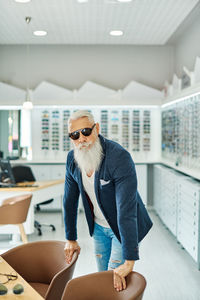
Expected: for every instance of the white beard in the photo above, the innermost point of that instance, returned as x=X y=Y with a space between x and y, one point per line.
x=88 y=159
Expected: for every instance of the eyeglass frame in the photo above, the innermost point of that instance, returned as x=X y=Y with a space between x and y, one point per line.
x=80 y=130
x=9 y=277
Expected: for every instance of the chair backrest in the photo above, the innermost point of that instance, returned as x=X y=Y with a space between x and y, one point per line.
x=22 y=173
x=59 y=281
x=14 y=210
x=99 y=286
x=43 y=262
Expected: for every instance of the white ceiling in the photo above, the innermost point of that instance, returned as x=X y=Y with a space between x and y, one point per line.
x=144 y=22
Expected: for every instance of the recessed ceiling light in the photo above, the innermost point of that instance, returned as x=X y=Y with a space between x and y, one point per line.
x=22 y=1
x=40 y=33
x=116 y=32
x=124 y=1
x=82 y=1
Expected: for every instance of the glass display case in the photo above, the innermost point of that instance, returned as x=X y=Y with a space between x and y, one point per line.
x=180 y=132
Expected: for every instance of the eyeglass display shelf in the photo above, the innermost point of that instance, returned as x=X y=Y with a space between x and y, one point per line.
x=195 y=173
x=187 y=92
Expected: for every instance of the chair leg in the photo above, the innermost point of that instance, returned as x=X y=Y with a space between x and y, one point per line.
x=23 y=234
x=37 y=225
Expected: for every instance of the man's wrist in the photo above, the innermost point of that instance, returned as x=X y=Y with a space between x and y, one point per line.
x=129 y=263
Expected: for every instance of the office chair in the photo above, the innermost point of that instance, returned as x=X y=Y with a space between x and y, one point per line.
x=43 y=265
x=99 y=286
x=23 y=174
x=14 y=211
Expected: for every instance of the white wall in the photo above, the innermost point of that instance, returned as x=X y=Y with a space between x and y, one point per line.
x=71 y=66
x=187 y=46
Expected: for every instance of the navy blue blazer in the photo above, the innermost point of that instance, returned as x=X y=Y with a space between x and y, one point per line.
x=118 y=198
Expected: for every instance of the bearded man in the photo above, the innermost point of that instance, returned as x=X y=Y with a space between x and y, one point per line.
x=103 y=172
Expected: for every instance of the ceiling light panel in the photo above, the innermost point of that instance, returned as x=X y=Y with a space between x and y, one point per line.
x=40 y=33
x=124 y=1
x=116 y=32
x=82 y=1
x=143 y=22
x=22 y=1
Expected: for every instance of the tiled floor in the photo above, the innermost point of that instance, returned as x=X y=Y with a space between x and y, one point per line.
x=170 y=272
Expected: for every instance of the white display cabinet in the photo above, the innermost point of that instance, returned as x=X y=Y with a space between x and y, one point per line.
x=48 y=171
x=165 y=196
x=188 y=216
x=141 y=170
x=176 y=201
x=157 y=188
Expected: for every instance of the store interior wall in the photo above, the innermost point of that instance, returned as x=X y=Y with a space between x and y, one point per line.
x=186 y=43
x=114 y=66
x=71 y=66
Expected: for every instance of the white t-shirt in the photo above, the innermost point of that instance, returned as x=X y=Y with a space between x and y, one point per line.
x=88 y=183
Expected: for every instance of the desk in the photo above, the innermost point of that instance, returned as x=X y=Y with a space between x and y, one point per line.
x=44 y=191
x=28 y=294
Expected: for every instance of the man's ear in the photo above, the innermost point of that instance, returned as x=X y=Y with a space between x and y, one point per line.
x=97 y=128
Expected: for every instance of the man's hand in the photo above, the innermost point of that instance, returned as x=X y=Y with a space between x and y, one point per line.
x=120 y=273
x=70 y=248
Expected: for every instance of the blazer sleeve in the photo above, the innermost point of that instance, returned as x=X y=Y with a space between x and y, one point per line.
x=70 y=203
x=125 y=180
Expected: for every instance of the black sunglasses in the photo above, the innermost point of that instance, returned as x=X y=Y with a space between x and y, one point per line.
x=85 y=131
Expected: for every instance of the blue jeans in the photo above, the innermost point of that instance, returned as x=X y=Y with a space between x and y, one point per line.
x=108 y=249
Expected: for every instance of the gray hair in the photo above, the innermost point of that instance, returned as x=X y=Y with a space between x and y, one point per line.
x=81 y=114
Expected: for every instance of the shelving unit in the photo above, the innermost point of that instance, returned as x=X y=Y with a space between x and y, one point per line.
x=176 y=201
x=65 y=137
x=45 y=130
x=132 y=128
x=181 y=134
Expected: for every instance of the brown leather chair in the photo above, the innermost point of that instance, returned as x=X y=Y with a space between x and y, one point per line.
x=43 y=265
x=14 y=211
x=99 y=286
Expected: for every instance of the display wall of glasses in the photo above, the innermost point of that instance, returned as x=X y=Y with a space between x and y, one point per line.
x=65 y=137
x=55 y=138
x=104 y=123
x=114 y=125
x=181 y=133
x=45 y=130
x=131 y=127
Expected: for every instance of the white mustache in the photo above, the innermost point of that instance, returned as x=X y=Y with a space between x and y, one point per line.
x=88 y=158
x=79 y=146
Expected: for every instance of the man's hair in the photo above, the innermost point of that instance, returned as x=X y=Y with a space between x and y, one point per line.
x=81 y=114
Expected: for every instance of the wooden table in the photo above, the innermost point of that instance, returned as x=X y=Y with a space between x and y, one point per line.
x=28 y=294
x=43 y=191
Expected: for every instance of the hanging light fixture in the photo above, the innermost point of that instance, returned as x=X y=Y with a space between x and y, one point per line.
x=28 y=104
